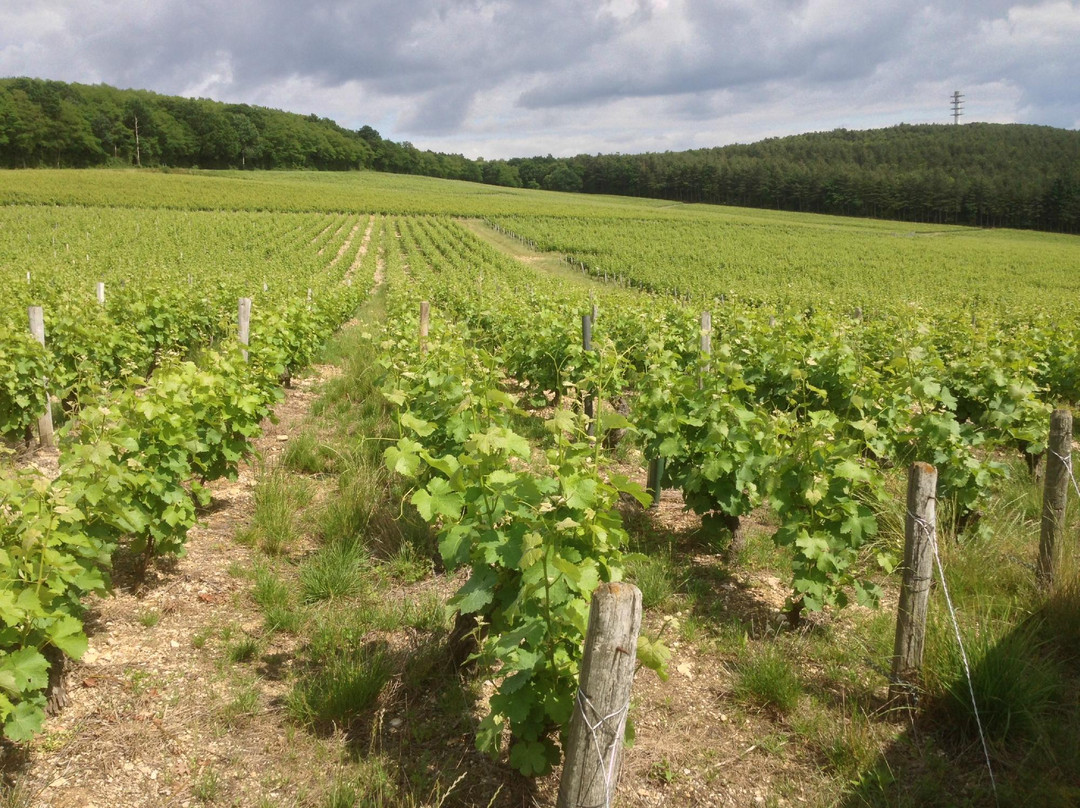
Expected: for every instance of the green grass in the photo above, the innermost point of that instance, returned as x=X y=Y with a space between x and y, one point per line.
x=1015 y=679
x=244 y=704
x=244 y=649
x=278 y=498
x=344 y=518
x=407 y=565
x=340 y=688
x=334 y=572
x=767 y=679
x=306 y=454
x=277 y=601
x=207 y=786
x=656 y=576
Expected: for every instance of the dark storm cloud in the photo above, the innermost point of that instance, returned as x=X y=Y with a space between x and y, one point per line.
x=494 y=70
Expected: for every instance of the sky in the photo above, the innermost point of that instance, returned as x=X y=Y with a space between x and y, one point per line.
x=517 y=78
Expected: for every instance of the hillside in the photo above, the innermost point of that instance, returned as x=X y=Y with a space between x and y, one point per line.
x=54 y=124
x=995 y=175
x=986 y=175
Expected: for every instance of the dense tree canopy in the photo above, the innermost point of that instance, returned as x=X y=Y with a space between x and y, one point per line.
x=994 y=175
x=50 y=123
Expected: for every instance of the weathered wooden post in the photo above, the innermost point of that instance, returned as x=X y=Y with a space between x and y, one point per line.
x=45 y=424
x=706 y=345
x=654 y=482
x=590 y=399
x=920 y=529
x=101 y=292
x=425 y=321
x=595 y=737
x=1055 y=494
x=244 y=324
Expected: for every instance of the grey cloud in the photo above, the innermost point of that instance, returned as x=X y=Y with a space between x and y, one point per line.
x=730 y=47
x=439 y=113
x=644 y=69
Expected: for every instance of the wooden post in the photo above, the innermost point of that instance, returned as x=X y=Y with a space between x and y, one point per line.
x=706 y=344
x=244 y=323
x=101 y=292
x=595 y=737
x=654 y=482
x=919 y=536
x=590 y=400
x=45 y=424
x=425 y=322
x=1055 y=494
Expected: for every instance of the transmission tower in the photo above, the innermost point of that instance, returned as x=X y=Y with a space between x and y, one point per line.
x=957 y=106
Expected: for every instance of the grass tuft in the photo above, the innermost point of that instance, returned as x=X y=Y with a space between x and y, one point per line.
x=767 y=679
x=335 y=572
x=305 y=454
x=341 y=689
x=244 y=649
x=278 y=496
x=656 y=577
x=1015 y=682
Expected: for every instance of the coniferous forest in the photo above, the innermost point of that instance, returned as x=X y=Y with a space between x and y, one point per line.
x=979 y=174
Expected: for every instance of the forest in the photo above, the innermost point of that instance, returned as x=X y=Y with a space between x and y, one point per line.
x=978 y=174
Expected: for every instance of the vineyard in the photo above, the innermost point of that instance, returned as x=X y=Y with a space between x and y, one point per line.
x=732 y=434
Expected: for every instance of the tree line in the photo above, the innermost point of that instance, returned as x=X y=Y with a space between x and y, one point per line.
x=55 y=124
x=987 y=175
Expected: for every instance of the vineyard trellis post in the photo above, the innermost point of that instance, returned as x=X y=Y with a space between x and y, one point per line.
x=101 y=292
x=597 y=726
x=590 y=398
x=920 y=528
x=45 y=423
x=243 y=316
x=654 y=481
x=1055 y=494
x=706 y=346
x=425 y=322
